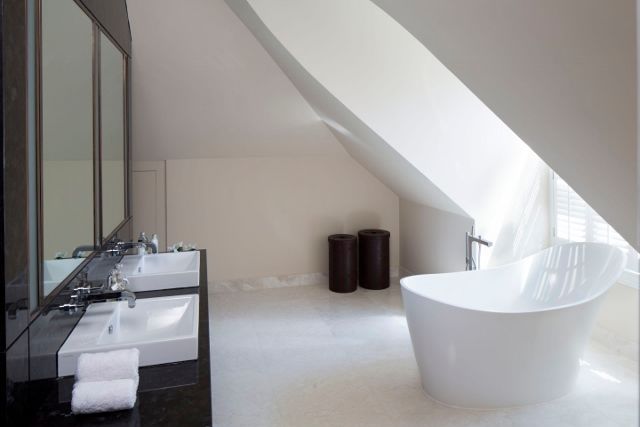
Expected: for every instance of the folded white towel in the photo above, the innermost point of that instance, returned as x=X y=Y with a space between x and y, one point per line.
x=103 y=396
x=110 y=365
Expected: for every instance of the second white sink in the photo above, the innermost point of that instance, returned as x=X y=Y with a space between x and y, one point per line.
x=162 y=271
x=164 y=329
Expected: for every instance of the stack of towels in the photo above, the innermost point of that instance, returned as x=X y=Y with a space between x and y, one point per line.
x=106 y=381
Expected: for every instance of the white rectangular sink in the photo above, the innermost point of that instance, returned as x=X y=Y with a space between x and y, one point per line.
x=162 y=271
x=164 y=330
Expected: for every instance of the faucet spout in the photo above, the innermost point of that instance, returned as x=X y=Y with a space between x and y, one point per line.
x=481 y=241
x=119 y=248
x=82 y=248
x=130 y=297
x=107 y=296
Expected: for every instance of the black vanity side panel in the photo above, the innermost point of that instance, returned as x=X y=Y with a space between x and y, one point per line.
x=2 y=296
x=14 y=360
x=113 y=17
x=3 y=388
x=16 y=367
x=15 y=178
x=50 y=329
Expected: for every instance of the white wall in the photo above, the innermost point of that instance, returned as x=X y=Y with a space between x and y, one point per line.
x=203 y=87
x=252 y=174
x=271 y=216
x=360 y=69
x=562 y=75
x=431 y=240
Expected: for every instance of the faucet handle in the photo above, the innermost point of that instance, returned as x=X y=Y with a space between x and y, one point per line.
x=117 y=280
x=85 y=290
x=84 y=285
x=70 y=308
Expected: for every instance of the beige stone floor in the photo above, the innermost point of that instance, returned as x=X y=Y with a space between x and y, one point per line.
x=303 y=356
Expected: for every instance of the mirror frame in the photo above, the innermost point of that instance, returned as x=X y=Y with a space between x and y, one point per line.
x=99 y=238
x=103 y=239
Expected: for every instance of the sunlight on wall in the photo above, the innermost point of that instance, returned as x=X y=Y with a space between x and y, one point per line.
x=410 y=100
x=523 y=227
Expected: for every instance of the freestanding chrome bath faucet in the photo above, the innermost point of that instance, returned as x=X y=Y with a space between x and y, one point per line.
x=470 y=261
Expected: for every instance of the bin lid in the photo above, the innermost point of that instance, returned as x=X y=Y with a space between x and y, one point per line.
x=373 y=232
x=342 y=237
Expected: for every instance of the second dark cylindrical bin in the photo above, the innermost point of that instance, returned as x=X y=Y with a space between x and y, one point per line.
x=373 y=257
x=343 y=264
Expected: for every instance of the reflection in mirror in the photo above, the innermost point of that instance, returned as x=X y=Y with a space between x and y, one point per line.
x=66 y=138
x=112 y=133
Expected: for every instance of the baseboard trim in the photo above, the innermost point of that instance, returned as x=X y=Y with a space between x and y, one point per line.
x=270 y=282
x=274 y=282
x=404 y=272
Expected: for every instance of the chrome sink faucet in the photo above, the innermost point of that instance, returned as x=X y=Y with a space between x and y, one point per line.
x=119 y=247
x=85 y=294
x=82 y=248
x=470 y=240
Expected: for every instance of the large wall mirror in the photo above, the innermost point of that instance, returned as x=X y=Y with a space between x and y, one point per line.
x=81 y=139
x=66 y=139
x=112 y=136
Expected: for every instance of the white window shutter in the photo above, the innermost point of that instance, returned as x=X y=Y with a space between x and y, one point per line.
x=575 y=221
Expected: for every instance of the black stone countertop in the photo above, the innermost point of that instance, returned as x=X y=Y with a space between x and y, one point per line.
x=175 y=394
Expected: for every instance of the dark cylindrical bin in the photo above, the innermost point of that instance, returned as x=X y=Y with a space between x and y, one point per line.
x=343 y=263
x=374 y=258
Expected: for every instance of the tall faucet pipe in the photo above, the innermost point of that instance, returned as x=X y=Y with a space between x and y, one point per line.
x=470 y=239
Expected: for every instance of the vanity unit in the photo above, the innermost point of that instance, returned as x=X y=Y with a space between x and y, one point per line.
x=65 y=199
x=169 y=393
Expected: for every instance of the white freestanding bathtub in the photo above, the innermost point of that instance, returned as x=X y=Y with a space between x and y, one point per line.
x=510 y=335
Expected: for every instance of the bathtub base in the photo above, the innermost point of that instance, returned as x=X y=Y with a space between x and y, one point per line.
x=474 y=402
x=489 y=408
x=484 y=360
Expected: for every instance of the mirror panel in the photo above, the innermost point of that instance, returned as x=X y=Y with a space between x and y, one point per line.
x=112 y=122
x=66 y=150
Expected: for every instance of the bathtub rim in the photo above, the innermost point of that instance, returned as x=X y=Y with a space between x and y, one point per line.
x=538 y=310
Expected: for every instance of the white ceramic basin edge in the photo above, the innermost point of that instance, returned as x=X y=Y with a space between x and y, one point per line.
x=164 y=329
x=162 y=271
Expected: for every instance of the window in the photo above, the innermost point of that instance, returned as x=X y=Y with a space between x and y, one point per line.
x=573 y=220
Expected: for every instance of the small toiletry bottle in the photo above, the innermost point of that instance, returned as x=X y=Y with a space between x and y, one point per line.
x=155 y=241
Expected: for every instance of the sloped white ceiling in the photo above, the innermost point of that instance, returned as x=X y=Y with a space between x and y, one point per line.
x=364 y=144
x=395 y=107
x=561 y=74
